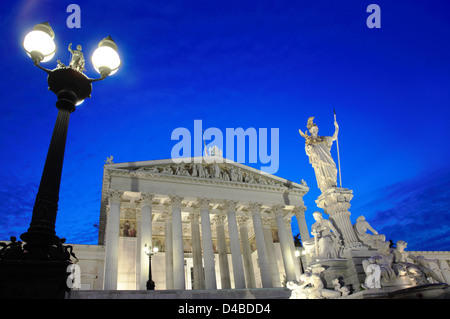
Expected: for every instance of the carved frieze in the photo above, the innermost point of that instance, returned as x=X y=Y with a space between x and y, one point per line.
x=209 y=171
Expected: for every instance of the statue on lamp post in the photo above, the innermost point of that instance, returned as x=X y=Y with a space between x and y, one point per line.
x=77 y=62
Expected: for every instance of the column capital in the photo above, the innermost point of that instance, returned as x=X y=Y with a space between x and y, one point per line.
x=219 y=219
x=254 y=207
x=230 y=205
x=287 y=220
x=175 y=200
x=278 y=209
x=267 y=221
x=115 y=195
x=203 y=203
x=334 y=195
x=194 y=217
x=242 y=220
x=299 y=210
x=146 y=199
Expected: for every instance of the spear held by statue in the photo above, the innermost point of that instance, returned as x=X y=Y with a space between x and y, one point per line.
x=337 y=145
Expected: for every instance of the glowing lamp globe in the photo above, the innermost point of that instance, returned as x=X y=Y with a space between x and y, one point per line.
x=146 y=249
x=39 y=43
x=105 y=58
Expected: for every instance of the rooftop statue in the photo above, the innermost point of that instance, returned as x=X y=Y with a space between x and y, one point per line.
x=109 y=160
x=318 y=150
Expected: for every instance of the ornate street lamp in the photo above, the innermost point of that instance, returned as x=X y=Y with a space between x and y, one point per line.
x=40 y=268
x=150 y=252
x=71 y=87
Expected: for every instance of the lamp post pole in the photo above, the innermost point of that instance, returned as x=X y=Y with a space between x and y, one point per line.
x=150 y=252
x=71 y=87
x=150 y=282
x=40 y=268
x=41 y=233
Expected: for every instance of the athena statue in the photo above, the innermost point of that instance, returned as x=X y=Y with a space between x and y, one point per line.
x=318 y=150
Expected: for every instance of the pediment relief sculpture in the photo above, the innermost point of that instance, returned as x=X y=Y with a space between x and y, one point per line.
x=212 y=171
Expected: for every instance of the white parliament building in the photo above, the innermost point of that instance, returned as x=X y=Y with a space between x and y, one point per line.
x=218 y=226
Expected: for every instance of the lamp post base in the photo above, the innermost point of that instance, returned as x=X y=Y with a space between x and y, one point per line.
x=150 y=285
x=33 y=279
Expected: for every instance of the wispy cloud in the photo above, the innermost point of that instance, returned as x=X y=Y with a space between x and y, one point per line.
x=414 y=210
x=17 y=198
x=417 y=211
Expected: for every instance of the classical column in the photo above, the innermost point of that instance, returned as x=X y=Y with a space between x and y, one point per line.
x=112 y=240
x=286 y=252
x=178 y=252
x=261 y=245
x=246 y=251
x=219 y=220
x=336 y=203
x=235 y=246
x=287 y=225
x=208 y=250
x=144 y=236
x=299 y=212
x=196 y=250
x=271 y=256
x=168 y=248
x=139 y=258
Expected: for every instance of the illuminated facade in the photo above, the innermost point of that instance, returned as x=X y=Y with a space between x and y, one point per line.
x=217 y=224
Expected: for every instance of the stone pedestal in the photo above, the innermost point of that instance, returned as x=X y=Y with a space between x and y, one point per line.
x=431 y=291
x=355 y=272
x=335 y=201
x=348 y=269
x=334 y=269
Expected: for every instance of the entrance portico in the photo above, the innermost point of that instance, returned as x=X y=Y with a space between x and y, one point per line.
x=203 y=216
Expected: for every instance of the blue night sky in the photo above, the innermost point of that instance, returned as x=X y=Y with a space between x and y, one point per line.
x=231 y=64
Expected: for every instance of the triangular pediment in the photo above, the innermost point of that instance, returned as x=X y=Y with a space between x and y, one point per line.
x=208 y=168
